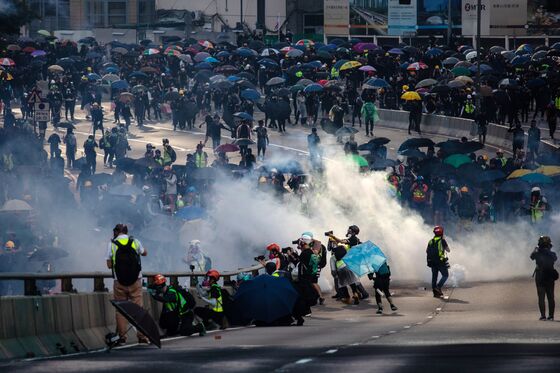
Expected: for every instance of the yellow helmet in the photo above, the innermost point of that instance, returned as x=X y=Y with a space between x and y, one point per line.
x=464 y=189
x=405 y=87
x=9 y=245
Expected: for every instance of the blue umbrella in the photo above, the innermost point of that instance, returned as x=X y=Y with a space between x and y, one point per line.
x=364 y=258
x=119 y=84
x=112 y=69
x=266 y=298
x=537 y=178
x=203 y=66
x=315 y=64
x=211 y=60
x=191 y=213
x=395 y=51
x=224 y=54
x=233 y=78
x=93 y=55
x=313 y=88
x=484 y=68
x=434 y=52
x=250 y=94
x=138 y=74
x=520 y=60
x=377 y=83
x=268 y=62
x=93 y=76
x=246 y=52
x=339 y=63
x=514 y=186
x=243 y=115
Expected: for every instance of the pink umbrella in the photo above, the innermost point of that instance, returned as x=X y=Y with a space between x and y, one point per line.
x=417 y=66
x=367 y=68
x=7 y=62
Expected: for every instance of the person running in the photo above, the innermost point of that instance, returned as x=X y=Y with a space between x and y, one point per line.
x=381 y=284
x=545 y=275
x=436 y=255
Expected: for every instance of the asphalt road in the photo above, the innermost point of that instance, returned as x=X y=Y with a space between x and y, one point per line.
x=486 y=327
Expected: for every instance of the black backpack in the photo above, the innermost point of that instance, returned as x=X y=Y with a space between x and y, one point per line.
x=432 y=254
x=191 y=303
x=127 y=263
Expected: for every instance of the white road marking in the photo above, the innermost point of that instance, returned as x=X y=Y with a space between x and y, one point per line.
x=375 y=336
x=331 y=351
x=355 y=344
x=391 y=332
x=438 y=309
x=303 y=361
x=430 y=317
x=406 y=327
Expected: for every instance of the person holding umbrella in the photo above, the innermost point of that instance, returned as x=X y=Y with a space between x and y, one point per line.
x=436 y=257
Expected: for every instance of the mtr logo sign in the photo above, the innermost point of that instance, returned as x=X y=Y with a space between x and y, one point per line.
x=472 y=7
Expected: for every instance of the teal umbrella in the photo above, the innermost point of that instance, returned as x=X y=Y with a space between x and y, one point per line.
x=537 y=178
x=364 y=258
x=457 y=160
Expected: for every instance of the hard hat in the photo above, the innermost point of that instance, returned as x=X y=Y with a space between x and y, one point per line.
x=195 y=243
x=544 y=241
x=420 y=178
x=306 y=239
x=438 y=230
x=405 y=87
x=485 y=157
x=191 y=189
x=146 y=188
x=273 y=246
x=9 y=245
x=535 y=189
x=464 y=189
x=159 y=280
x=499 y=151
x=354 y=229
x=307 y=233
x=213 y=274
x=273 y=171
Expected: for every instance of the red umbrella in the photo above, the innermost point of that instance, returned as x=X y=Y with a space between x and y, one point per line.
x=29 y=49
x=323 y=82
x=227 y=148
x=7 y=62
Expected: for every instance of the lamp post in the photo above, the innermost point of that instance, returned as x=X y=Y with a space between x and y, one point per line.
x=478 y=17
x=449 y=24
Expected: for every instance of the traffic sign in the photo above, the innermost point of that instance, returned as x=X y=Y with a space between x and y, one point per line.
x=42 y=112
x=34 y=97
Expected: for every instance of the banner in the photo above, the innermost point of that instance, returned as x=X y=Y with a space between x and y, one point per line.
x=336 y=17
x=498 y=17
x=401 y=17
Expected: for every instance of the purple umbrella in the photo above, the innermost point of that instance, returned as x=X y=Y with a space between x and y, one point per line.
x=361 y=47
x=367 y=68
x=38 y=53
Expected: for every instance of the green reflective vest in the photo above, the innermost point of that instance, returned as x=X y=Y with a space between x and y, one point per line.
x=469 y=108
x=114 y=248
x=219 y=307
x=181 y=302
x=441 y=251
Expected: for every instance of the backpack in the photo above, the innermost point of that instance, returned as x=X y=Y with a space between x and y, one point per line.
x=191 y=303
x=172 y=154
x=127 y=263
x=432 y=254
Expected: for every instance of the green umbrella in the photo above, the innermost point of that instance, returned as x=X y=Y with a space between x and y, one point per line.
x=359 y=160
x=458 y=71
x=457 y=160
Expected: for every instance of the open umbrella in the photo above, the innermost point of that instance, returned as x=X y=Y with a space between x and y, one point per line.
x=150 y=52
x=373 y=144
x=413 y=153
x=275 y=81
x=16 y=205
x=536 y=178
x=119 y=50
x=416 y=143
x=246 y=52
x=518 y=173
x=377 y=83
x=266 y=298
x=458 y=71
x=456 y=84
x=426 y=83
x=364 y=258
x=126 y=97
x=110 y=78
x=139 y=318
x=514 y=186
x=250 y=94
x=411 y=96
x=38 y=53
x=227 y=148
x=457 y=160
x=346 y=131
x=313 y=88
x=294 y=53
x=56 y=69
x=243 y=115
x=119 y=84
x=549 y=170
x=367 y=68
x=191 y=213
x=464 y=79
x=93 y=77
x=350 y=65
x=47 y=254
x=457 y=147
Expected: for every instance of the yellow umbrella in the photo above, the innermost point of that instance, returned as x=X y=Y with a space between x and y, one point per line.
x=464 y=79
x=549 y=170
x=411 y=96
x=350 y=65
x=518 y=173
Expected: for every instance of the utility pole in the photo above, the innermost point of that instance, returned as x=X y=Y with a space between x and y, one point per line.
x=478 y=17
x=449 y=23
x=241 y=12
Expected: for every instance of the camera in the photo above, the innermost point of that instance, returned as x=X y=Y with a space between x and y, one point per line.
x=286 y=249
x=259 y=258
x=295 y=242
x=192 y=268
x=329 y=233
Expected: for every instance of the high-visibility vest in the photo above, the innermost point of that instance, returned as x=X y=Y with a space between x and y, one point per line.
x=114 y=248
x=334 y=73
x=167 y=157
x=181 y=302
x=469 y=108
x=557 y=102
x=219 y=304
x=441 y=252
x=536 y=213
x=340 y=264
x=200 y=159
x=503 y=161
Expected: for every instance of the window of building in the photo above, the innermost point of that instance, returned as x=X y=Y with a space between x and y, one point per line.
x=116 y=11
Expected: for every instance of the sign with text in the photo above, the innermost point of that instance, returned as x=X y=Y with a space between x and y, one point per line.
x=402 y=16
x=336 y=17
x=42 y=112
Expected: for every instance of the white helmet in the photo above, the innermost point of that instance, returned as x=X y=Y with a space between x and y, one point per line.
x=306 y=239
x=536 y=189
x=194 y=244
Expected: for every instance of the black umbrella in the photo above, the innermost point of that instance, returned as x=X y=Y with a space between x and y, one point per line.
x=203 y=75
x=126 y=164
x=46 y=254
x=101 y=179
x=470 y=171
x=171 y=96
x=328 y=126
x=514 y=186
x=382 y=164
x=147 y=162
x=413 y=153
x=415 y=143
x=139 y=318
x=450 y=147
x=440 y=89
x=246 y=75
x=491 y=176
x=435 y=168
x=374 y=144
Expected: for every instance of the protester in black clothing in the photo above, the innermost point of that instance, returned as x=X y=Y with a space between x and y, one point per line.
x=545 y=275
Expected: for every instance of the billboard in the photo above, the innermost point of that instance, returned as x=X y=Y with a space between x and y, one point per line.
x=433 y=14
x=401 y=16
x=498 y=17
x=336 y=17
x=543 y=17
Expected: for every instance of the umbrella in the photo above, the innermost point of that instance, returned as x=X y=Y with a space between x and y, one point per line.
x=217 y=78
x=456 y=84
x=125 y=190
x=139 y=88
x=350 y=65
x=520 y=61
x=458 y=71
x=191 y=213
x=361 y=47
x=306 y=43
x=243 y=115
x=112 y=70
x=171 y=96
x=286 y=166
x=267 y=52
x=126 y=97
x=464 y=79
x=267 y=62
x=457 y=160
x=514 y=186
x=47 y=254
x=536 y=178
x=324 y=54
x=508 y=82
x=203 y=76
x=496 y=49
x=471 y=55
x=313 y=88
x=346 y=131
x=266 y=298
x=434 y=52
x=226 y=69
x=377 y=83
x=16 y=205
x=56 y=69
x=426 y=83
x=304 y=82
x=139 y=318
x=243 y=142
x=246 y=52
x=411 y=96
x=417 y=66
x=250 y=94
x=396 y=51
x=297 y=88
x=150 y=52
x=294 y=53
x=440 y=89
x=201 y=56
x=44 y=33
x=518 y=173
x=549 y=170
x=359 y=160
x=367 y=68
x=38 y=53
x=119 y=84
x=374 y=143
x=119 y=50
x=382 y=164
x=491 y=176
x=93 y=55
x=364 y=258
x=457 y=147
x=93 y=76
x=203 y=66
x=413 y=153
x=416 y=143
x=185 y=58
x=227 y=148
x=275 y=81
x=450 y=61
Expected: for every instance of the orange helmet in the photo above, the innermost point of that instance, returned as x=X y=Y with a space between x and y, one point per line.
x=438 y=231
x=273 y=246
x=159 y=279
x=213 y=274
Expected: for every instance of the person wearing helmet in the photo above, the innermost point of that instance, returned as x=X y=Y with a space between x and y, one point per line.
x=275 y=256
x=420 y=195
x=436 y=257
x=545 y=275
x=465 y=208
x=309 y=258
x=200 y=156
x=170 y=188
x=196 y=259
x=177 y=315
x=468 y=108
x=213 y=295
x=169 y=155
x=538 y=205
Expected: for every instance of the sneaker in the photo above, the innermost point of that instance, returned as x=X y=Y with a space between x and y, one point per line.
x=321 y=301
x=202 y=330
x=542 y=318
x=550 y=318
x=379 y=311
x=300 y=321
x=393 y=307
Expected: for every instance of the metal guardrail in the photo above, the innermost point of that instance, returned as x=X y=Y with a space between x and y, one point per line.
x=66 y=278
